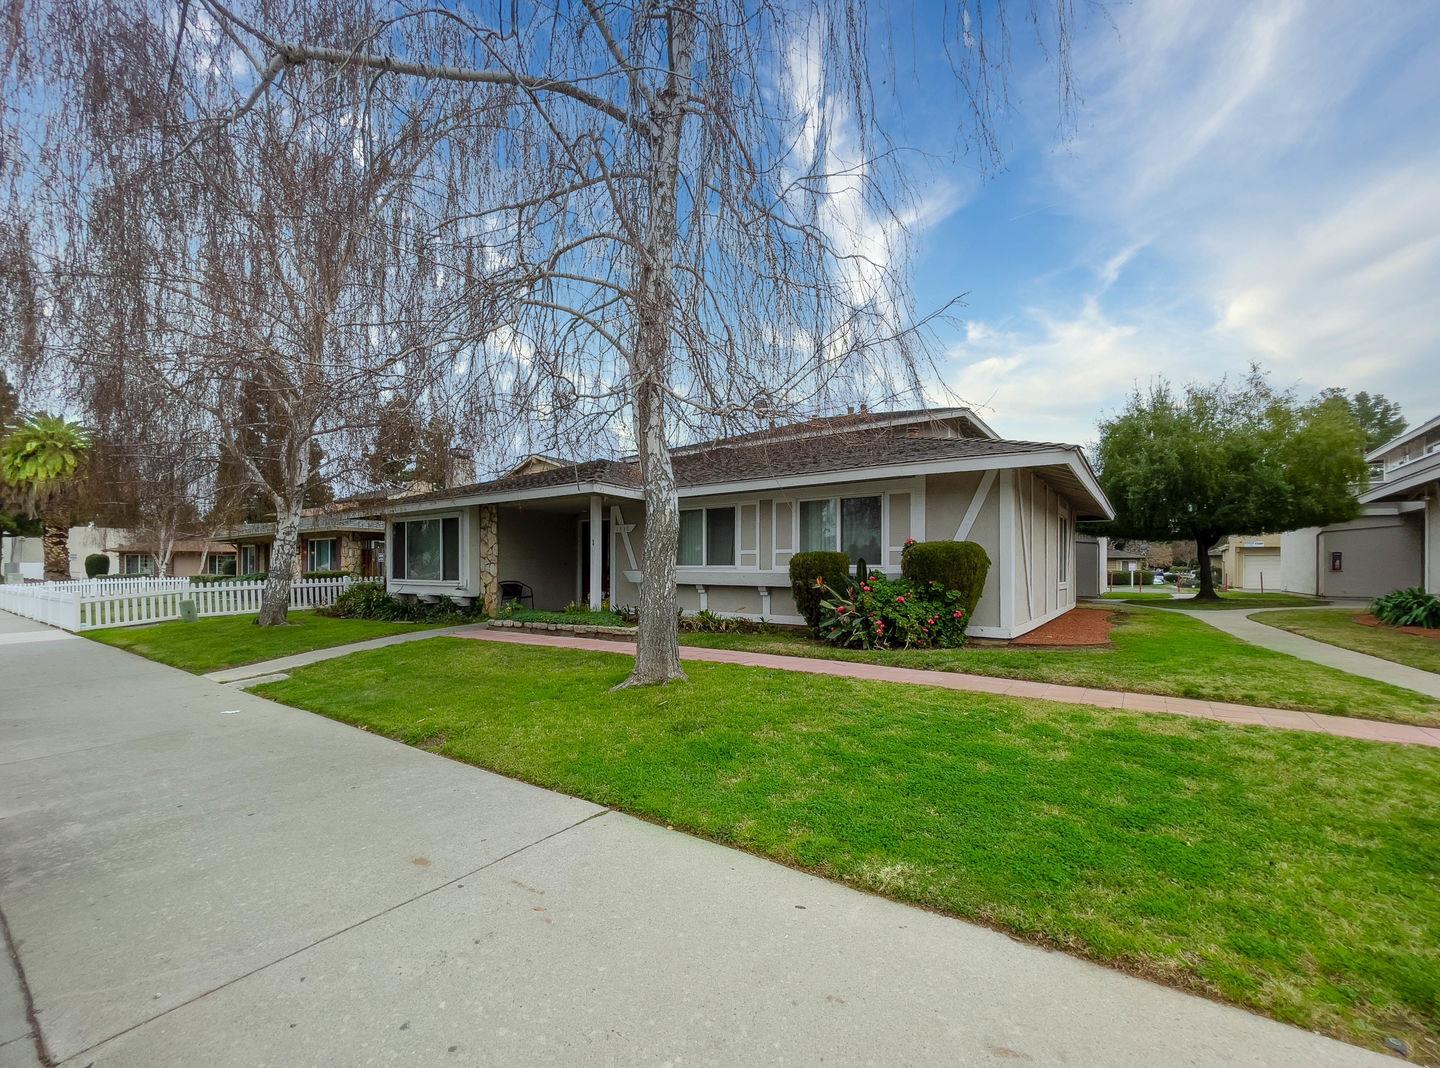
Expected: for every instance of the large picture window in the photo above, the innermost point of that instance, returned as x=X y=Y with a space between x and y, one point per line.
x=707 y=538
x=848 y=524
x=426 y=550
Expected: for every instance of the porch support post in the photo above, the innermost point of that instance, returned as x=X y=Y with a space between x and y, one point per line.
x=489 y=516
x=597 y=530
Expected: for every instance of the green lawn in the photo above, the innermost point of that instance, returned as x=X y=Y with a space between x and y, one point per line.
x=228 y=641
x=1338 y=627
x=1295 y=874
x=1153 y=652
x=1231 y=600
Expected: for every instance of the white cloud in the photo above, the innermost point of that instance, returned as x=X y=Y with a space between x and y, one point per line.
x=1278 y=165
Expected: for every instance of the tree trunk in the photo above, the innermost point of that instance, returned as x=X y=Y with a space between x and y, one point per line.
x=657 y=644
x=657 y=641
x=1207 y=578
x=56 y=544
x=275 y=599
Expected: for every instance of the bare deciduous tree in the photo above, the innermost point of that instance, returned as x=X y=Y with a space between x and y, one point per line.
x=263 y=258
x=698 y=223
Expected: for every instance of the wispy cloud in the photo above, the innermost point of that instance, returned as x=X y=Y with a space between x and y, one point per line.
x=1249 y=181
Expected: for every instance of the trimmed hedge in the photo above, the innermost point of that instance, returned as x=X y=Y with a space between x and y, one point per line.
x=814 y=577
x=1129 y=578
x=957 y=565
x=97 y=565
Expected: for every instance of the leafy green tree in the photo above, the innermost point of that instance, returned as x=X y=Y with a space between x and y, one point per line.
x=1235 y=457
x=42 y=456
x=1380 y=417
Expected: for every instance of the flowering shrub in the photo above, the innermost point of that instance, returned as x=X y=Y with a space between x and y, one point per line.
x=883 y=613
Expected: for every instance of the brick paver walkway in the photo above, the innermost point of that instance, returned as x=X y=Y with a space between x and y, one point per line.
x=1342 y=726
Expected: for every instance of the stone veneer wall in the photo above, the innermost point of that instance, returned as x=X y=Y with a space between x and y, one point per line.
x=489 y=583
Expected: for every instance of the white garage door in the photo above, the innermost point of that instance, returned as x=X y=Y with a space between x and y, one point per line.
x=1254 y=563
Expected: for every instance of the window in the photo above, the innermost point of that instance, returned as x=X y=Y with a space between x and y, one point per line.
x=426 y=550
x=848 y=524
x=860 y=528
x=249 y=559
x=1065 y=539
x=819 y=529
x=137 y=564
x=220 y=564
x=320 y=554
x=707 y=537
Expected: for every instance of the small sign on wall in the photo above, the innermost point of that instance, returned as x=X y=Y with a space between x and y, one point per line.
x=1336 y=562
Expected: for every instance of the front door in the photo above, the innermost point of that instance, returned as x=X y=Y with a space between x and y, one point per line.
x=584 y=593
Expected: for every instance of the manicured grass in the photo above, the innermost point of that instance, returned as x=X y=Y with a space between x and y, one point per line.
x=1145 y=596
x=1295 y=874
x=229 y=641
x=1229 y=601
x=584 y=618
x=1338 y=627
x=1152 y=652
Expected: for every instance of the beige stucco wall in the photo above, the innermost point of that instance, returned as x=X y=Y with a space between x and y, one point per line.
x=1380 y=554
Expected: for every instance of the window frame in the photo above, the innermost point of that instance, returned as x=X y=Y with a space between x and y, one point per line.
x=249 y=551
x=835 y=499
x=704 y=510
x=310 y=544
x=392 y=559
x=124 y=570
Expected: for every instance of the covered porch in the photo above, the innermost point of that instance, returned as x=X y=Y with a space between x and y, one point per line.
x=544 y=551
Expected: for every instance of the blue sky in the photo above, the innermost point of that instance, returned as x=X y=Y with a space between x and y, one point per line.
x=1243 y=181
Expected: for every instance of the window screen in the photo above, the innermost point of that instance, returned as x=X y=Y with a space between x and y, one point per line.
x=397 y=549
x=451 y=539
x=860 y=528
x=720 y=537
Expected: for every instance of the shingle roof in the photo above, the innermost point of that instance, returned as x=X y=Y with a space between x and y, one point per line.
x=831 y=424
x=736 y=463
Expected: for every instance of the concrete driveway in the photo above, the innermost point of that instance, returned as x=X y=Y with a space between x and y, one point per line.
x=192 y=875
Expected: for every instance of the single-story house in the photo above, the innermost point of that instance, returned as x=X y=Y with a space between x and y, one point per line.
x=188 y=556
x=332 y=538
x=861 y=483
x=1124 y=559
x=1394 y=543
x=24 y=555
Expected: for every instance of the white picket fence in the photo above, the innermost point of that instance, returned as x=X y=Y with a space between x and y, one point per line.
x=125 y=584
x=83 y=609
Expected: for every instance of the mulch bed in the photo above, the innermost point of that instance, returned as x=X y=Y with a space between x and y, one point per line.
x=1365 y=619
x=1084 y=626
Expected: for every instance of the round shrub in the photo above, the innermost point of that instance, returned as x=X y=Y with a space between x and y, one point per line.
x=956 y=565
x=96 y=565
x=815 y=576
x=369 y=600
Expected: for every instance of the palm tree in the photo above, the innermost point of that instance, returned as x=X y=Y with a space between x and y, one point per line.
x=41 y=456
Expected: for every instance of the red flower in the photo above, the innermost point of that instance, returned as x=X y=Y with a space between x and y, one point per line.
x=959 y=612
x=909 y=541
x=840 y=610
x=865 y=588
x=900 y=600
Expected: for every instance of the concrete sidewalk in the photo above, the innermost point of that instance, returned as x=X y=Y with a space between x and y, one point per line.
x=1372 y=730
x=1239 y=624
x=194 y=875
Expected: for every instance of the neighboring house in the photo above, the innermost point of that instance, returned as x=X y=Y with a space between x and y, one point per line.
x=28 y=552
x=1123 y=559
x=862 y=483
x=332 y=538
x=188 y=556
x=1250 y=562
x=1394 y=543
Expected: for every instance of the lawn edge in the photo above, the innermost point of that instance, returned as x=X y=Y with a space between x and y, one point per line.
x=1144 y=970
